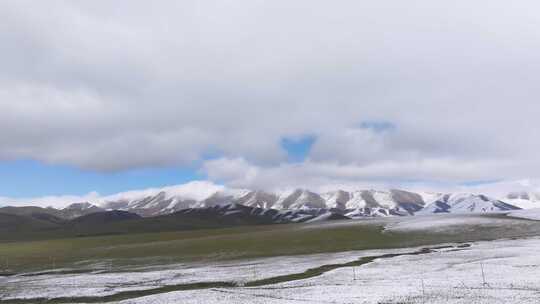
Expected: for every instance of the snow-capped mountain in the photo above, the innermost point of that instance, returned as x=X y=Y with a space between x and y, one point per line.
x=352 y=204
x=464 y=203
x=168 y=200
x=79 y=209
x=523 y=199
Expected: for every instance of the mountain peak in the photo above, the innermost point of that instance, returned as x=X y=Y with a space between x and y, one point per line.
x=80 y=206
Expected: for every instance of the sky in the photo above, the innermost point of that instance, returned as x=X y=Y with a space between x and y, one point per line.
x=99 y=97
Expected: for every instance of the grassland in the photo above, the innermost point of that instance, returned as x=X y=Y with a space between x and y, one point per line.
x=126 y=250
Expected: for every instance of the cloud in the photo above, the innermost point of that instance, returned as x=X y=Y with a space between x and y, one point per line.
x=238 y=172
x=113 y=86
x=59 y=201
x=278 y=179
x=197 y=190
x=442 y=176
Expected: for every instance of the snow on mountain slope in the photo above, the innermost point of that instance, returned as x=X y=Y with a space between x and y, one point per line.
x=224 y=197
x=464 y=203
x=79 y=209
x=156 y=201
x=429 y=197
x=356 y=200
x=201 y=194
x=383 y=203
x=531 y=214
x=354 y=204
x=530 y=196
x=287 y=198
x=197 y=190
x=308 y=200
x=370 y=212
x=523 y=199
x=258 y=199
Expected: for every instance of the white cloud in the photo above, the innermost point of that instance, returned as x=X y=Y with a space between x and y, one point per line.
x=197 y=190
x=321 y=175
x=429 y=176
x=49 y=201
x=111 y=86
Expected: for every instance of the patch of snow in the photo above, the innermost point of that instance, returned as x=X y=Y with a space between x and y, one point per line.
x=434 y=223
x=523 y=203
x=356 y=201
x=384 y=199
x=488 y=273
x=530 y=214
x=103 y=284
x=429 y=197
x=196 y=190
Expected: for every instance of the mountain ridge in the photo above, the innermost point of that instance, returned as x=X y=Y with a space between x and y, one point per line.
x=352 y=204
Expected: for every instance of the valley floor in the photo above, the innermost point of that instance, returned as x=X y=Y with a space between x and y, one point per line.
x=506 y=271
x=460 y=271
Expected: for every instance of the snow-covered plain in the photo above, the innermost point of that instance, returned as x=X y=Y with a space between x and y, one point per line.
x=505 y=271
x=451 y=275
x=103 y=284
x=446 y=223
x=510 y=269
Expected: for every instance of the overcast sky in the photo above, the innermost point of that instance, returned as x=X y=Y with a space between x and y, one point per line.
x=269 y=94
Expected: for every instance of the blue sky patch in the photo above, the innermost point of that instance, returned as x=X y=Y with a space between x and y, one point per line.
x=28 y=178
x=298 y=148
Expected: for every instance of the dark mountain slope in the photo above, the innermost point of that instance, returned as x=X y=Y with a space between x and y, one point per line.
x=123 y=222
x=14 y=227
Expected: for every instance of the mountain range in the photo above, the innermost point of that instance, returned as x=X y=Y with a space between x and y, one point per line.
x=351 y=204
x=202 y=205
